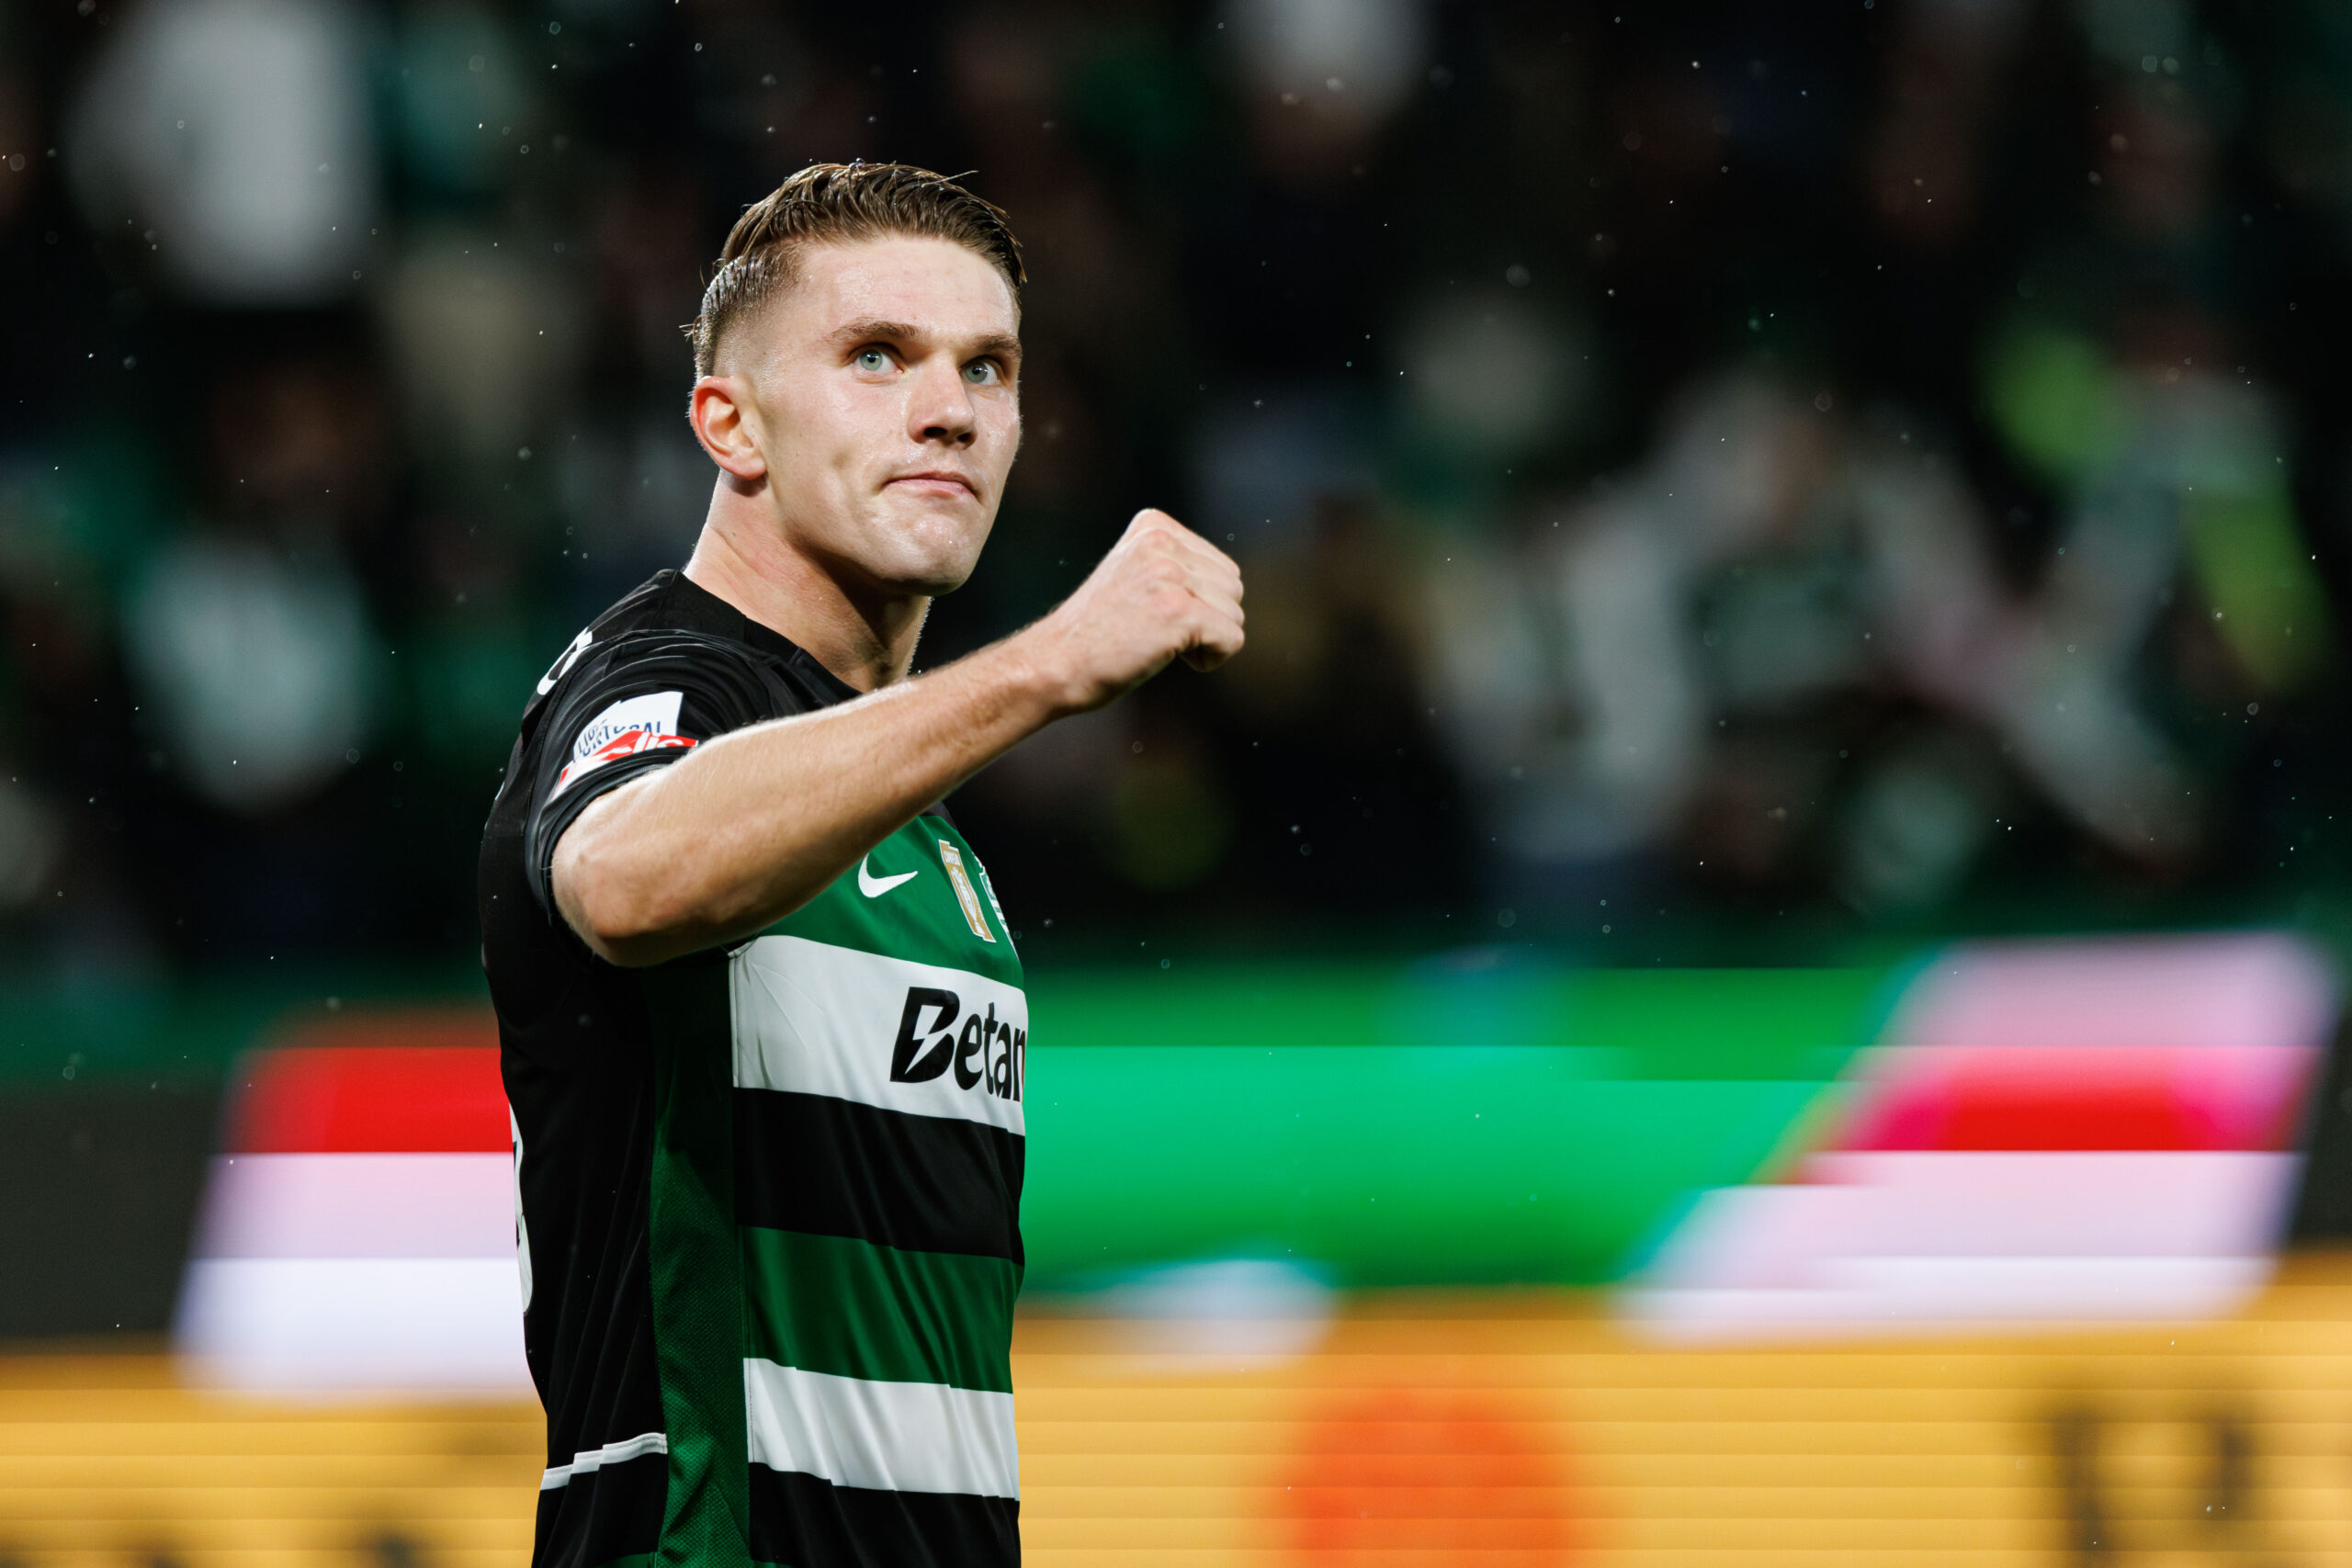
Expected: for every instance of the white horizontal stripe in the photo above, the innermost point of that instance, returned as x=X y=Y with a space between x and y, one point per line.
x=2205 y=992
x=816 y=1019
x=1980 y=1204
x=1929 y=1241
x=611 y=1453
x=337 y=1325
x=360 y=1205
x=893 y=1437
x=1869 y=1297
x=2104 y=1204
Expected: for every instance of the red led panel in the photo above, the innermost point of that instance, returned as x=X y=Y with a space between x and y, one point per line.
x=2099 y=1098
x=421 y=1086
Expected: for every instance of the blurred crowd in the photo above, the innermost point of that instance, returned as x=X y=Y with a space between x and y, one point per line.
x=1862 y=464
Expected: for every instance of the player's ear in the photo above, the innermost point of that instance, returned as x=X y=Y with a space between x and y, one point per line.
x=719 y=412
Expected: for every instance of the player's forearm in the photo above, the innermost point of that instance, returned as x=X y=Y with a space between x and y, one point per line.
x=753 y=825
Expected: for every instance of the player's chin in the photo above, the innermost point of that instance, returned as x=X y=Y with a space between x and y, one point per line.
x=943 y=572
x=929 y=564
x=933 y=509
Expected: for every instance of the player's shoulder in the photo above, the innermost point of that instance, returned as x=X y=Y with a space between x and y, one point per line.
x=665 y=631
x=666 y=668
x=653 y=606
x=673 y=639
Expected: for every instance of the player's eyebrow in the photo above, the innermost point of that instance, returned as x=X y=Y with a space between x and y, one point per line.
x=1003 y=345
x=872 y=329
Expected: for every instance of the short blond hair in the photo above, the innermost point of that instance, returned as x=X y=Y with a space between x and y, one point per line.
x=841 y=202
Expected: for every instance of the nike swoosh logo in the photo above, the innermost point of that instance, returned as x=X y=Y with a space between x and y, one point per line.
x=873 y=886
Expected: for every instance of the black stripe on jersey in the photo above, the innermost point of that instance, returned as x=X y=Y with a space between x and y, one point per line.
x=606 y=1514
x=808 y=1522
x=808 y=1162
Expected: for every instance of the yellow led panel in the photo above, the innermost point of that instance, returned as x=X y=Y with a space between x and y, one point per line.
x=1519 y=1429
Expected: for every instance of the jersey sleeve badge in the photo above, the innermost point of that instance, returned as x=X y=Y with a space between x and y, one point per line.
x=649 y=723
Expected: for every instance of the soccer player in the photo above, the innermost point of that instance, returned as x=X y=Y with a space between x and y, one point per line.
x=762 y=1025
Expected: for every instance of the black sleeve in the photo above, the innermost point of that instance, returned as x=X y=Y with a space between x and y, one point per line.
x=640 y=701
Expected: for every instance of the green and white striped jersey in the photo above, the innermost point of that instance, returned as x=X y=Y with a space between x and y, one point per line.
x=824 y=1124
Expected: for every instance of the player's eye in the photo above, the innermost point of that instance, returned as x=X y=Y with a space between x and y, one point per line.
x=873 y=360
x=984 y=373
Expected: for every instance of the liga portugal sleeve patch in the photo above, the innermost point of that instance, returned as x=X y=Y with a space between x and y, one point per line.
x=634 y=724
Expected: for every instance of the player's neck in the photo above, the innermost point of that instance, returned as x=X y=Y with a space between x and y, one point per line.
x=868 y=640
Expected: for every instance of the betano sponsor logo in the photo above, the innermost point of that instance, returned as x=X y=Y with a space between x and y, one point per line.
x=986 y=1054
x=814 y=1017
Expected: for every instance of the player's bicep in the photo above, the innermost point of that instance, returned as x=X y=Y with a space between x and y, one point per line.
x=583 y=872
x=604 y=745
x=639 y=706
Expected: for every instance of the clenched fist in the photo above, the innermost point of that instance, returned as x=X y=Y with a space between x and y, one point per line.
x=1163 y=592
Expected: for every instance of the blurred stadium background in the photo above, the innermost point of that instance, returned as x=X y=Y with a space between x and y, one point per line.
x=1656 y=1016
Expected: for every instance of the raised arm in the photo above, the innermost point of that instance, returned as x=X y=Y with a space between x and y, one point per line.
x=747 y=827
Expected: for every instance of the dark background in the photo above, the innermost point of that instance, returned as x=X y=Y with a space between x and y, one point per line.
x=342 y=383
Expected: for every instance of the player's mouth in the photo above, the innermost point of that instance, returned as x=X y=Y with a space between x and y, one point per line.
x=942 y=482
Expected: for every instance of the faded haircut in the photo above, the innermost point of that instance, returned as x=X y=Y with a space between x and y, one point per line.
x=840 y=203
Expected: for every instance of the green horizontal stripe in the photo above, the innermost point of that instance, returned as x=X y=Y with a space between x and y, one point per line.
x=829 y=1304
x=920 y=920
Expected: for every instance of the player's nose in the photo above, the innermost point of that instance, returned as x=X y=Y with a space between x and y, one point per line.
x=940 y=404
